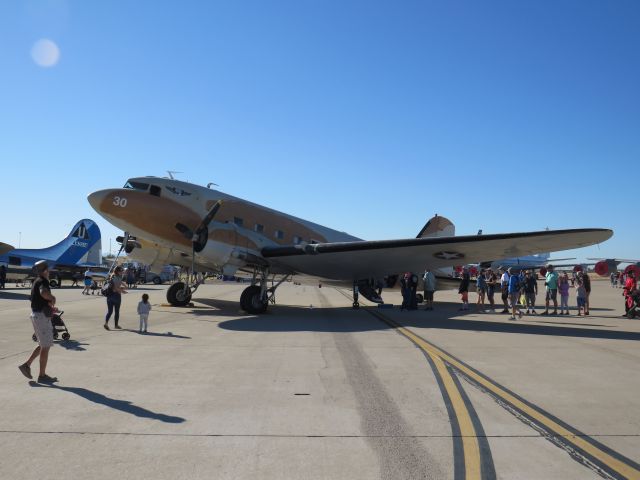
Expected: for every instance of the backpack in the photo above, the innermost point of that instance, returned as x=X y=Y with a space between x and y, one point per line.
x=107 y=288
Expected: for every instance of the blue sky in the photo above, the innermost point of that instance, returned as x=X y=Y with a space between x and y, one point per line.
x=367 y=117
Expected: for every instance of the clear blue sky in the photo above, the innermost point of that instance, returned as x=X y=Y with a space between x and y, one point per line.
x=364 y=116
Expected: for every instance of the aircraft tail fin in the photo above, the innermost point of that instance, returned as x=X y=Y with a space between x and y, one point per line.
x=437 y=226
x=82 y=246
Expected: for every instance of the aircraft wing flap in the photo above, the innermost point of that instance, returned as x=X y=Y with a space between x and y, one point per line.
x=363 y=259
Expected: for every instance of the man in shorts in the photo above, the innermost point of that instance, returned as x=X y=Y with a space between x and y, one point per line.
x=551 y=282
x=41 y=310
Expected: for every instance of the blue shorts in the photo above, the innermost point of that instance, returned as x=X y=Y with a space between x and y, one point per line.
x=582 y=302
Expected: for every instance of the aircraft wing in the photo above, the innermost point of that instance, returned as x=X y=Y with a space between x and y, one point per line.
x=375 y=259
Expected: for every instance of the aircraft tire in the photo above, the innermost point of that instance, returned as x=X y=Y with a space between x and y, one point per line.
x=251 y=302
x=176 y=296
x=157 y=280
x=419 y=298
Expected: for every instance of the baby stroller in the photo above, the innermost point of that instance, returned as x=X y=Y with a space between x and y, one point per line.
x=633 y=301
x=58 y=326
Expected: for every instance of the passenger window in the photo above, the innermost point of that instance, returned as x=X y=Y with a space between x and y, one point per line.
x=238 y=221
x=297 y=240
x=155 y=190
x=279 y=234
x=15 y=261
x=259 y=228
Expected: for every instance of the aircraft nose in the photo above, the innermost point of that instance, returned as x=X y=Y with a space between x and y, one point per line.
x=96 y=198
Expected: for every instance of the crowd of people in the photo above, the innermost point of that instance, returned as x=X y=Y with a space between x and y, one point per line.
x=519 y=291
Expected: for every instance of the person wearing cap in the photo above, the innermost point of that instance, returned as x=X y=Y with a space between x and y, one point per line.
x=629 y=286
x=42 y=303
x=551 y=282
x=429 y=280
x=514 y=293
x=530 y=291
x=504 y=286
x=464 y=288
x=114 y=298
x=587 y=287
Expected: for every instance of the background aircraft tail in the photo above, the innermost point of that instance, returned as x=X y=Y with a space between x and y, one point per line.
x=83 y=246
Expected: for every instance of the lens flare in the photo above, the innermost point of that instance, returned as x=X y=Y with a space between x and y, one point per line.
x=45 y=53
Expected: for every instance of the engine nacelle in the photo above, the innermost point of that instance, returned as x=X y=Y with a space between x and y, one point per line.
x=473 y=271
x=577 y=268
x=632 y=268
x=543 y=272
x=604 y=268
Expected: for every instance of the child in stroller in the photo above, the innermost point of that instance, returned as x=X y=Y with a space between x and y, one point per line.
x=58 y=326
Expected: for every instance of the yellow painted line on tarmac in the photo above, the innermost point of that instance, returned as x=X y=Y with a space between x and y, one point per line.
x=618 y=466
x=468 y=432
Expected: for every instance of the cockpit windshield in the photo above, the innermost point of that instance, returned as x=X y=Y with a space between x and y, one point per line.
x=136 y=185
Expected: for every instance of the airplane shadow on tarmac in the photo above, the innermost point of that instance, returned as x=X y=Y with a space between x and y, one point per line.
x=122 y=405
x=445 y=317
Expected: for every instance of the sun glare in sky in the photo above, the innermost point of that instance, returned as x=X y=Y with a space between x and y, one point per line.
x=45 y=53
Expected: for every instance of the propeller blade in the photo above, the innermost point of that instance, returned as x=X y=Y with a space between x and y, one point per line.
x=209 y=216
x=184 y=230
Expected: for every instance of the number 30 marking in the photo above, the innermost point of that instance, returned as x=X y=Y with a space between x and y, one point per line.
x=120 y=202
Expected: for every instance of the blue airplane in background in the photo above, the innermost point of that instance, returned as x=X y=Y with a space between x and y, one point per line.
x=81 y=249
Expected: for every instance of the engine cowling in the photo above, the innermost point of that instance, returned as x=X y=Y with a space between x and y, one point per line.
x=577 y=268
x=632 y=268
x=602 y=268
x=473 y=271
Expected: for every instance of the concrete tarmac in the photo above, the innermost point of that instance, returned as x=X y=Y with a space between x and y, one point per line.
x=314 y=389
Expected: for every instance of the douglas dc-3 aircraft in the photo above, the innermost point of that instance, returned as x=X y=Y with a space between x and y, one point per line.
x=167 y=221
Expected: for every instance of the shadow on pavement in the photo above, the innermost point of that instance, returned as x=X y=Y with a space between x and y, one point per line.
x=159 y=334
x=5 y=294
x=122 y=405
x=73 y=345
x=446 y=317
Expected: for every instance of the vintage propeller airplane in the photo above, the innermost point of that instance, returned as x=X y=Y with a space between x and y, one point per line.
x=173 y=222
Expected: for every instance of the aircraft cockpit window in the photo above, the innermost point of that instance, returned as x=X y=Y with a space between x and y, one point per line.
x=136 y=185
x=15 y=261
x=155 y=190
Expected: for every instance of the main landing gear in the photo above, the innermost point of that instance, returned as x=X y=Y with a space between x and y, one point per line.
x=179 y=294
x=256 y=298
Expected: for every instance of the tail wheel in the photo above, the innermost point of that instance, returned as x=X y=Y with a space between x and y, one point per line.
x=178 y=295
x=66 y=336
x=252 y=302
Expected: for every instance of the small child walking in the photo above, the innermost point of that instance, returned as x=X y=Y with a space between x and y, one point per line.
x=144 y=307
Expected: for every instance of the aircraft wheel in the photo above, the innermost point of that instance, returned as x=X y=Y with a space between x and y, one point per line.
x=53 y=283
x=55 y=336
x=251 y=302
x=356 y=305
x=419 y=298
x=177 y=296
x=157 y=281
x=66 y=336
x=34 y=338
